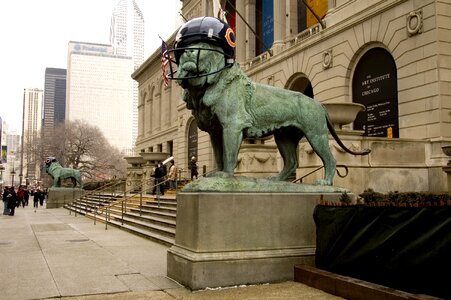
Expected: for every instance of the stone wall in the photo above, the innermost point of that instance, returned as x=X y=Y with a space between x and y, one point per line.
x=423 y=61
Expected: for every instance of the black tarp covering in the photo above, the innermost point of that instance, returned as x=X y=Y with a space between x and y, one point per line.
x=403 y=248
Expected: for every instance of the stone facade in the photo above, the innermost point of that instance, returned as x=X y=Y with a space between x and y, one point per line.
x=332 y=63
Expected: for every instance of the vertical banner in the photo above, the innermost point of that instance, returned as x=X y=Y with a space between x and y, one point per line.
x=267 y=24
x=192 y=140
x=319 y=7
x=4 y=157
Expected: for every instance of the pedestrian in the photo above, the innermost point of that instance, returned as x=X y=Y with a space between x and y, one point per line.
x=36 y=198
x=6 y=192
x=193 y=167
x=20 y=196
x=41 y=197
x=172 y=176
x=159 y=178
x=12 y=201
x=26 y=196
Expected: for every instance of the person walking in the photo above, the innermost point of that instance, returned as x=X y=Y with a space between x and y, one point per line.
x=172 y=176
x=159 y=177
x=26 y=196
x=36 y=199
x=12 y=201
x=6 y=193
x=20 y=196
x=193 y=167
x=42 y=197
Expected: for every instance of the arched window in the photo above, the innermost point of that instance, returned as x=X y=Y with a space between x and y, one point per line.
x=300 y=83
x=374 y=85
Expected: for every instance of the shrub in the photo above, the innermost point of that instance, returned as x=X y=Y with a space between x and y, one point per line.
x=370 y=197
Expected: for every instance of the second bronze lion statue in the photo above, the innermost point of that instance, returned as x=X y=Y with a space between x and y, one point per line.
x=58 y=173
x=230 y=106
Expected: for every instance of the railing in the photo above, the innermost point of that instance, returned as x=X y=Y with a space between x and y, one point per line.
x=319 y=168
x=130 y=192
x=128 y=195
x=99 y=190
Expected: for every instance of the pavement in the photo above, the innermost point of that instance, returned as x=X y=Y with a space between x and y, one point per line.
x=51 y=254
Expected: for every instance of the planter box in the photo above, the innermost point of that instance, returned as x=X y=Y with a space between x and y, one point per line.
x=402 y=248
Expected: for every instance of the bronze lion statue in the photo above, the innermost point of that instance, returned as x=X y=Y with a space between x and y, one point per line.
x=228 y=105
x=57 y=172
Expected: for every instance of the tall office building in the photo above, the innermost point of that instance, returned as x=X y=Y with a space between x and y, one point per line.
x=54 y=99
x=99 y=91
x=127 y=39
x=31 y=129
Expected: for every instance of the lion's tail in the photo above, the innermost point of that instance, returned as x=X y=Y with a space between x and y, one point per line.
x=330 y=126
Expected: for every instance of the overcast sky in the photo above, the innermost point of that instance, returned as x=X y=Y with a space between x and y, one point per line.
x=35 y=33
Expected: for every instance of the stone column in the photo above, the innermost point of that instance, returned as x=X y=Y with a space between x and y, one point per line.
x=250 y=37
x=292 y=19
x=240 y=33
x=279 y=21
x=330 y=6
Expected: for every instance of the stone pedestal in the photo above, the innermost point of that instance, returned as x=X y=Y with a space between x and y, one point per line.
x=57 y=197
x=226 y=239
x=257 y=160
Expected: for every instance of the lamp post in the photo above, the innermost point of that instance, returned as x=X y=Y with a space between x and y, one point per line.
x=20 y=178
x=13 y=173
x=2 y=168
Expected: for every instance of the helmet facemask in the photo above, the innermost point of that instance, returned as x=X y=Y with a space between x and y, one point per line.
x=198 y=63
x=195 y=61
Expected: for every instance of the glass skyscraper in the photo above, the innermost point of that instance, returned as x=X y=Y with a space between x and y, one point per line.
x=31 y=128
x=54 y=99
x=99 y=91
x=127 y=39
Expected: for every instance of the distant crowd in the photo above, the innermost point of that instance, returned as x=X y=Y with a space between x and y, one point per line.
x=15 y=197
x=161 y=174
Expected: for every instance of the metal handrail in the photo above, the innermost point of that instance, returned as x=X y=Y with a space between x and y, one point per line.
x=319 y=168
x=123 y=201
x=99 y=189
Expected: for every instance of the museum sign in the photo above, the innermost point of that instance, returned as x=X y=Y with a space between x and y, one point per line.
x=375 y=86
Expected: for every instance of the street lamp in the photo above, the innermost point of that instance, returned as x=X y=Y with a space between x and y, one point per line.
x=20 y=178
x=2 y=168
x=13 y=172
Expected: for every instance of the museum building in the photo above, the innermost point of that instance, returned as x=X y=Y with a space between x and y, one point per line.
x=382 y=68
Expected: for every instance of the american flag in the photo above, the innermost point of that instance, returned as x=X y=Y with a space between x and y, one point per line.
x=164 y=61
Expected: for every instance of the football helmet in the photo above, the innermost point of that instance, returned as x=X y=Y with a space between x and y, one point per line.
x=203 y=29
x=49 y=160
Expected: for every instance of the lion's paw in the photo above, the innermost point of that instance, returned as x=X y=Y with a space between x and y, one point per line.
x=323 y=182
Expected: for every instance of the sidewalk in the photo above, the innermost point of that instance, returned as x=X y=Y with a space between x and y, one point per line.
x=51 y=254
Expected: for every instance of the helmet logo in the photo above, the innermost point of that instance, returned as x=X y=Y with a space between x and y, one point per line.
x=230 y=37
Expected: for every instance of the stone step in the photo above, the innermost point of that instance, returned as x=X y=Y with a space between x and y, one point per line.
x=157 y=220
x=155 y=212
x=152 y=235
x=132 y=221
x=144 y=218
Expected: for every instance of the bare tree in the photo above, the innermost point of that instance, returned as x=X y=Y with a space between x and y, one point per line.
x=84 y=147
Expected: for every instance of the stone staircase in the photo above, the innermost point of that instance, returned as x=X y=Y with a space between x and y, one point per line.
x=150 y=218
